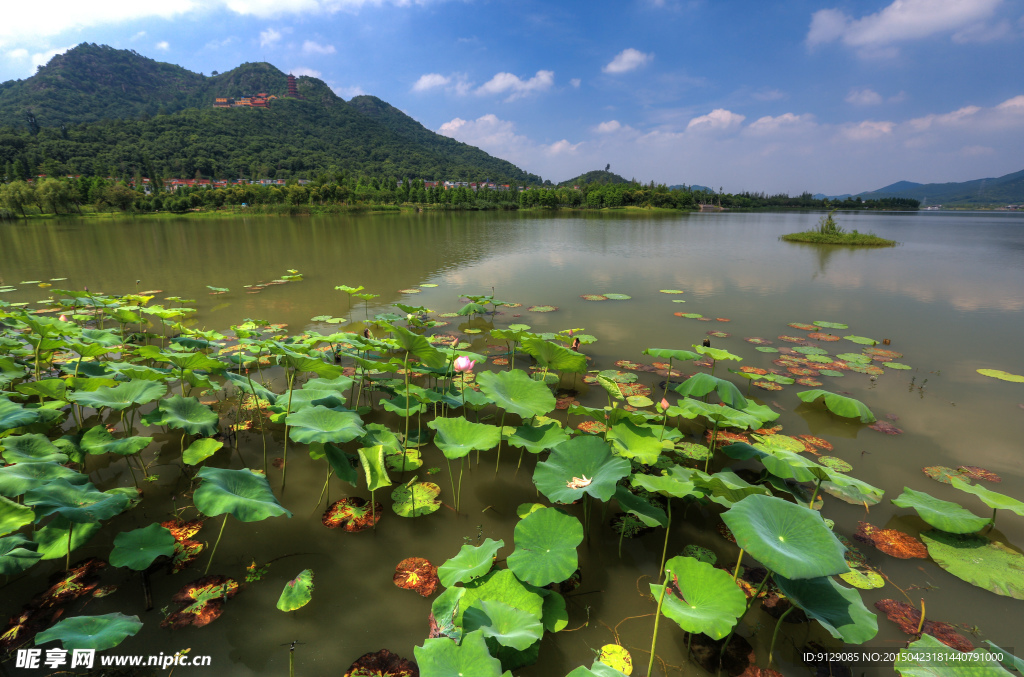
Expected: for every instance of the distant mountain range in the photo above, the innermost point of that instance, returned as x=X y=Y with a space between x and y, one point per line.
x=1008 y=189
x=97 y=110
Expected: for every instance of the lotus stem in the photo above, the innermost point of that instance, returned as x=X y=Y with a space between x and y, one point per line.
x=67 y=557
x=458 y=495
x=497 y=463
x=689 y=638
x=668 y=526
x=657 y=617
x=373 y=507
x=451 y=476
x=288 y=411
x=920 y=623
x=750 y=603
x=814 y=495
x=778 y=624
x=711 y=450
x=291 y=660
x=736 y=573
x=324 y=490
x=216 y=543
x=405 y=441
x=664 y=394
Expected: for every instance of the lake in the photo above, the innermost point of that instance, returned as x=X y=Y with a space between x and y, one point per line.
x=949 y=298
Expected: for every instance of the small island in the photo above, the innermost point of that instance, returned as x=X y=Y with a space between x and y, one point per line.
x=829 y=232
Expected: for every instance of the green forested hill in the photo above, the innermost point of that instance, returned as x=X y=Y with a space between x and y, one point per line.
x=598 y=176
x=1004 y=189
x=126 y=114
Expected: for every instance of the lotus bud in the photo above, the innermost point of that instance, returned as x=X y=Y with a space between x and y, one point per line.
x=663 y=404
x=464 y=364
x=63 y=318
x=575 y=344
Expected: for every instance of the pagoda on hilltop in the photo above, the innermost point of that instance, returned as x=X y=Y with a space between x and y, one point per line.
x=293 y=90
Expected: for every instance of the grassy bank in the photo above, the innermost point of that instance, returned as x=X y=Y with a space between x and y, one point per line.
x=829 y=232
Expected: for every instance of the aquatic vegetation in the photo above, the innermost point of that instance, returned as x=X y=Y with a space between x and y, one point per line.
x=92 y=632
x=297 y=592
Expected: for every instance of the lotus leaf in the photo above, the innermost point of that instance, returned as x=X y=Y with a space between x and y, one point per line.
x=139 y=548
x=851 y=489
x=52 y=388
x=1002 y=375
x=789 y=539
x=667 y=353
x=726 y=487
x=598 y=669
x=538 y=438
x=414 y=498
x=53 y=538
x=32 y=448
x=1009 y=660
x=352 y=514
x=944 y=515
x=618 y=297
x=456 y=437
x=204 y=601
x=504 y=586
x=471 y=562
x=639 y=442
x=17 y=553
x=862 y=340
x=979 y=561
x=320 y=424
x=200 y=450
x=91 y=632
x=700 y=554
x=866 y=579
x=992 y=499
x=582 y=465
x=840 y=405
x=700 y=598
x=251 y=387
x=505 y=624
x=297 y=592
x=342 y=462
x=119 y=398
x=517 y=393
x=700 y=384
x=372 y=460
x=15 y=416
x=241 y=493
x=185 y=413
x=697 y=452
x=553 y=356
x=943 y=662
x=839 y=609
x=545 y=550
x=723 y=415
x=97 y=440
x=675 y=482
x=615 y=656
x=382 y=663
x=77 y=503
x=648 y=513
x=978 y=473
x=891 y=542
x=418 y=346
x=444 y=658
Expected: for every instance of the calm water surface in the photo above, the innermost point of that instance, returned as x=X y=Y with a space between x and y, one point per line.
x=950 y=298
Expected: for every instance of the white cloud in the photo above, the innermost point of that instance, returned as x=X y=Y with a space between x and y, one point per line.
x=310 y=47
x=867 y=130
x=864 y=97
x=430 y=81
x=349 y=92
x=575 y=82
x=20 y=53
x=517 y=87
x=944 y=119
x=561 y=147
x=43 y=58
x=1015 y=104
x=608 y=127
x=718 y=119
x=983 y=32
x=627 y=60
x=901 y=21
x=138 y=36
x=269 y=37
x=781 y=123
x=163 y=45
x=499 y=138
x=302 y=70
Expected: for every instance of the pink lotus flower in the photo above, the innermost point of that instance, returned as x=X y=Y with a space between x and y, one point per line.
x=63 y=318
x=663 y=404
x=463 y=364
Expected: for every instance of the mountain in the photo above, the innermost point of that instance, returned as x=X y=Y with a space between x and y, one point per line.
x=599 y=176
x=1008 y=189
x=100 y=110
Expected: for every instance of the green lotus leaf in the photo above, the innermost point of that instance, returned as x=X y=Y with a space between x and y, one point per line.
x=852 y=490
x=716 y=353
x=119 y=398
x=726 y=487
x=320 y=424
x=97 y=440
x=404 y=406
x=339 y=385
x=944 y=515
x=546 y=543
x=17 y=553
x=374 y=467
x=784 y=442
x=14 y=516
x=302 y=363
x=251 y=387
x=840 y=405
x=516 y=393
x=444 y=658
x=675 y=482
x=700 y=598
x=76 y=502
x=1009 y=660
x=978 y=560
x=648 y=513
x=15 y=416
x=342 y=462
x=241 y=493
x=598 y=669
x=139 y=548
x=471 y=562
x=414 y=498
x=779 y=462
x=898 y=365
x=91 y=632
x=639 y=442
x=297 y=592
x=456 y=437
x=418 y=346
x=618 y=297
x=830 y=325
x=504 y=586
x=538 y=438
x=762 y=412
x=200 y=450
x=32 y=448
x=586 y=463
x=700 y=384
x=839 y=609
x=789 y=539
x=52 y=388
x=669 y=354
x=53 y=538
x=863 y=579
x=928 y=657
x=862 y=340
x=184 y=413
x=553 y=356
x=724 y=415
x=505 y=624
x=992 y=499
x=1002 y=375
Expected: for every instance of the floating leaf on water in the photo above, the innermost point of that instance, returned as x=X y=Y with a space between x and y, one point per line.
x=978 y=560
x=472 y=331
x=897 y=365
x=810 y=382
x=617 y=657
x=1001 y=375
x=793 y=339
x=91 y=632
x=671 y=291
x=891 y=542
x=977 y=473
x=593 y=297
x=810 y=350
x=818 y=336
x=382 y=663
x=416 y=573
x=618 y=297
x=819 y=442
x=766 y=349
x=449 y=315
x=886 y=427
x=297 y=592
x=428 y=285
x=542 y=309
x=697 y=452
x=139 y=548
x=767 y=385
x=830 y=372
x=941 y=473
x=862 y=340
x=719 y=334
x=592 y=427
x=853 y=556
x=414 y=498
x=854 y=357
x=352 y=514
x=830 y=325
x=725 y=532
x=204 y=602
x=692 y=316
x=802 y=326
x=754 y=370
x=474 y=561
x=945 y=515
x=837 y=464
x=757 y=340
x=409 y=291
x=801 y=371
x=908 y=618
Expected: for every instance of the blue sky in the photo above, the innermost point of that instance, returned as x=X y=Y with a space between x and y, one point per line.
x=780 y=96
